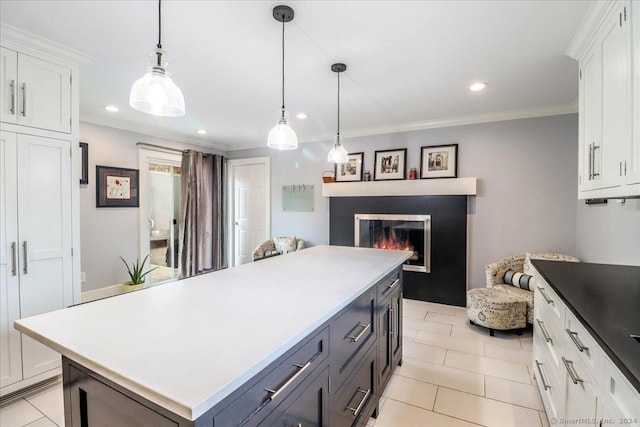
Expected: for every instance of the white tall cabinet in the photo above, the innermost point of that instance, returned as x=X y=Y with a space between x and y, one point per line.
x=39 y=190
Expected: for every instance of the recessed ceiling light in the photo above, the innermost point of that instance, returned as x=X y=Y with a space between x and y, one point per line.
x=302 y=116
x=478 y=86
x=112 y=108
x=201 y=132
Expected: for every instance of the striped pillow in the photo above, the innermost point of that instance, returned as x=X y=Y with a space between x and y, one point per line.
x=524 y=281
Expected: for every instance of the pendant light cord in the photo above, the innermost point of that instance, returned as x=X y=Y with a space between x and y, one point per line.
x=158 y=54
x=283 y=68
x=338 y=107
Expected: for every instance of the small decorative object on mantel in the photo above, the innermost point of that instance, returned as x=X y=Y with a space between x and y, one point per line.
x=439 y=161
x=116 y=187
x=328 y=176
x=367 y=176
x=351 y=170
x=135 y=274
x=390 y=165
x=413 y=173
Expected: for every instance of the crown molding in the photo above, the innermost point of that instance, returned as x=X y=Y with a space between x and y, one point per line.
x=24 y=41
x=588 y=27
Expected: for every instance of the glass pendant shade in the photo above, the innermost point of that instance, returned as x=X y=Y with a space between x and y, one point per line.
x=282 y=136
x=338 y=154
x=155 y=93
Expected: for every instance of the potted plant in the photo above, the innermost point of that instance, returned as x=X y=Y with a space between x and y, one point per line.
x=136 y=274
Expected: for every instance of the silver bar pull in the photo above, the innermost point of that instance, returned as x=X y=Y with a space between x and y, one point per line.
x=24 y=100
x=25 y=253
x=357 y=409
x=13 y=258
x=545 y=296
x=391 y=322
x=545 y=334
x=357 y=337
x=12 y=85
x=576 y=341
x=620 y=167
x=590 y=162
x=595 y=147
x=393 y=285
x=275 y=393
x=574 y=376
x=542 y=379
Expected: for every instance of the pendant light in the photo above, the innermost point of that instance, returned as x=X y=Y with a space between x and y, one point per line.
x=155 y=93
x=282 y=137
x=338 y=153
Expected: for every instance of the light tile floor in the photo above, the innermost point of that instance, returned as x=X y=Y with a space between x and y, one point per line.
x=453 y=374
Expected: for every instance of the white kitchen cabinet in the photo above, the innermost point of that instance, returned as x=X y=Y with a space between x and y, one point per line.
x=37 y=243
x=36 y=93
x=620 y=403
x=632 y=171
x=603 y=47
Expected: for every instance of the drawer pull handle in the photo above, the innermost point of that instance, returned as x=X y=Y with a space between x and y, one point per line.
x=545 y=334
x=275 y=393
x=12 y=109
x=391 y=320
x=574 y=376
x=542 y=378
x=393 y=285
x=576 y=341
x=357 y=337
x=545 y=296
x=357 y=409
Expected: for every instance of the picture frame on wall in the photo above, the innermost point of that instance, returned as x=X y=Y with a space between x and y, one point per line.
x=352 y=170
x=84 y=163
x=390 y=165
x=439 y=161
x=117 y=187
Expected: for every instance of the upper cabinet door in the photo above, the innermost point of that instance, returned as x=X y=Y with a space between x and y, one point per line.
x=9 y=82
x=590 y=119
x=632 y=167
x=44 y=94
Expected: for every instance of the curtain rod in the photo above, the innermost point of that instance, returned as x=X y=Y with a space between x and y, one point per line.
x=144 y=144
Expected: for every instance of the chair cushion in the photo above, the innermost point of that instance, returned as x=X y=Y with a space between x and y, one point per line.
x=285 y=244
x=523 y=281
x=496 y=309
x=522 y=294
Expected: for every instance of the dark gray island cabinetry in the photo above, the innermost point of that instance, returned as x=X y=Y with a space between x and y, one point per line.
x=310 y=339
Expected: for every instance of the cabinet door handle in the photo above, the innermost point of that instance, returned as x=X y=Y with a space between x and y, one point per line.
x=24 y=100
x=576 y=341
x=393 y=285
x=275 y=393
x=357 y=337
x=544 y=295
x=357 y=409
x=12 y=85
x=595 y=147
x=590 y=162
x=620 y=167
x=13 y=258
x=25 y=254
x=574 y=376
x=391 y=320
x=542 y=379
x=545 y=334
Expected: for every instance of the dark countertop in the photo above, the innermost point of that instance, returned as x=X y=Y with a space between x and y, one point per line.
x=606 y=299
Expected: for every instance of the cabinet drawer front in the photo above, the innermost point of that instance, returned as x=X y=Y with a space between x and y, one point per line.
x=355 y=401
x=281 y=378
x=549 y=380
x=389 y=284
x=620 y=395
x=585 y=346
x=351 y=331
x=546 y=298
x=581 y=391
x=548 y=340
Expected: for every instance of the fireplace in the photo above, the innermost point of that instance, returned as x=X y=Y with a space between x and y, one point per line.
x=397 y=232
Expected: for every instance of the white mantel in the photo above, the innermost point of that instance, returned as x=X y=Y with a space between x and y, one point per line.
x=418 y=187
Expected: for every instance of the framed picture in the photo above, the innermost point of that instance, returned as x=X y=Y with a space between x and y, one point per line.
x=390 y=164
x=439 y=161
x=352 y=170
x=84 y=163
x=116 y=187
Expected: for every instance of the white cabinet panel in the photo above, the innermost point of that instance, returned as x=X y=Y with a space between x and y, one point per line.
x=590 y=120
x=9 y=81
x=632 y=167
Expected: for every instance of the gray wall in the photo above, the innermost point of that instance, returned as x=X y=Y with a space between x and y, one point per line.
x=527 y=183
x=106 y=233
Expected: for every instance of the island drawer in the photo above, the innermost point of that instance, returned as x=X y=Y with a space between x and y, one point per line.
x=354 y=404
x=548 y=300
x=262 y=396
x=387 y=285
x=353 y=330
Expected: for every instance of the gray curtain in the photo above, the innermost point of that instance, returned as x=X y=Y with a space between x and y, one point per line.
x=203 y=238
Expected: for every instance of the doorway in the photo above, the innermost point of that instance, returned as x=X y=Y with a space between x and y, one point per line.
x=250 y=206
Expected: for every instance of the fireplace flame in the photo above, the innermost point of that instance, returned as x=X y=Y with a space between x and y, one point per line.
x=393 y=244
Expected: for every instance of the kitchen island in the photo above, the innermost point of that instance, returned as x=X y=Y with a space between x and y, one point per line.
x=238 y=346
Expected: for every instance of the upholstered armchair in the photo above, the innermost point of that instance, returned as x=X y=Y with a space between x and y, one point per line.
x=277 y=246
x=495 y=273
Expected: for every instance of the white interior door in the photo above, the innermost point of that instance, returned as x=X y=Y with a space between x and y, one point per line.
x=10 y=347
x=251 y=191
x=44 y=229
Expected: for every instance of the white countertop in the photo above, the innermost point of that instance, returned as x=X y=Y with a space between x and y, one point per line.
x=187 y=345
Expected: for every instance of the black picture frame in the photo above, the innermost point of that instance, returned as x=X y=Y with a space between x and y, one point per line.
x=352 y=171
x=117 y=187
x=385 y=168
x=448 y=166
x=84 y=163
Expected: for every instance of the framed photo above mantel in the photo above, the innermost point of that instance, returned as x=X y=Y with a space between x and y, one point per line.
x=390 y=164
x=439 y=161
x=352 y=170
x=116 y=187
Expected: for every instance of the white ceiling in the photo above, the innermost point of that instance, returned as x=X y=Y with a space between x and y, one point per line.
x=410 y=63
